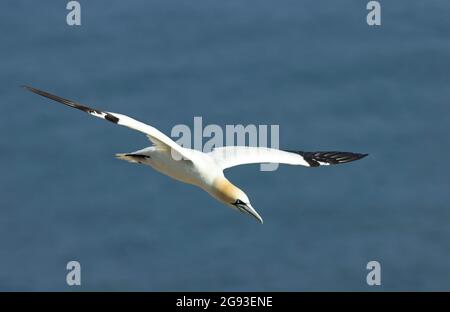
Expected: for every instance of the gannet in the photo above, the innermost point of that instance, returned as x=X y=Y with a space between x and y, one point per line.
x=205 y=170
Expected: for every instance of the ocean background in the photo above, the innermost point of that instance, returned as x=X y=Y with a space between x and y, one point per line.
x=313 y=67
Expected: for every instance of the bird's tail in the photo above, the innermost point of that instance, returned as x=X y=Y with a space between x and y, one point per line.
x=132 y=158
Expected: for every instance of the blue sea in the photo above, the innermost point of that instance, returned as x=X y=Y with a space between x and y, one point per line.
x=315 y=68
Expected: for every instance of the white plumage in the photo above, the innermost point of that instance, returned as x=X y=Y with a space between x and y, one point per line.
x=205 y=170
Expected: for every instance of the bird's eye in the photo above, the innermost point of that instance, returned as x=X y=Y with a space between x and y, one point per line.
x=238 y=202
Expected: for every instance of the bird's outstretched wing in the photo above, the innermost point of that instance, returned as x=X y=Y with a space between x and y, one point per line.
x=155 y=136
x=230 y=156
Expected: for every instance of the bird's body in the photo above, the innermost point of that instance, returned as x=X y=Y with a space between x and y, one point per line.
x=161 y=160
x=201 y=170
x=205 y=170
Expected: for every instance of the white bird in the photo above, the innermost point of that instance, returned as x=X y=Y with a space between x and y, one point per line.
x=205 y=170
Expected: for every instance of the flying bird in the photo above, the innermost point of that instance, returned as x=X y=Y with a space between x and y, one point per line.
x=205 y=170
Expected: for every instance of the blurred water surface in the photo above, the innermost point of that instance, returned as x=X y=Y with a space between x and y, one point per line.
x=315 y=68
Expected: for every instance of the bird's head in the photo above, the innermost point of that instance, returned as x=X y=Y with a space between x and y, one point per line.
x=234 y=197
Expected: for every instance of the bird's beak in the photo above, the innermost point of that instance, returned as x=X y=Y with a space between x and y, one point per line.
x=247 y=208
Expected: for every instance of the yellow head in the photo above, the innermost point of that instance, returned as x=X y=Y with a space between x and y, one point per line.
x=224 y=191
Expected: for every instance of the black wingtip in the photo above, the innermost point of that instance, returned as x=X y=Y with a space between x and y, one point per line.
x=315 y=159
x=73 y=104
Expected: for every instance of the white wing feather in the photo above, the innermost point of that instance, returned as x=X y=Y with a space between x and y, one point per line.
x=155 y=136
x=230 y=156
